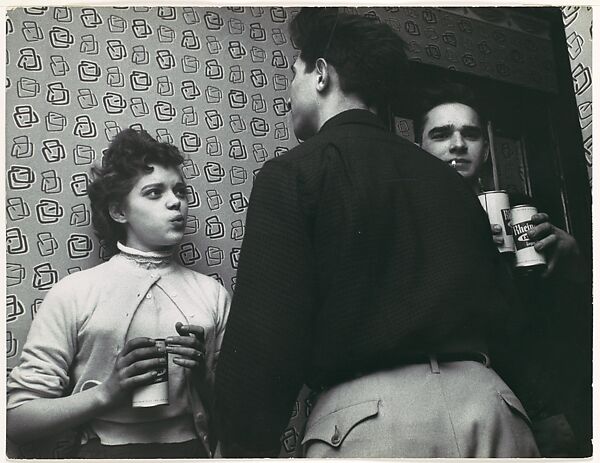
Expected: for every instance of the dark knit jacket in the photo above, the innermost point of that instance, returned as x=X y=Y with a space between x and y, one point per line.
x=360 y=248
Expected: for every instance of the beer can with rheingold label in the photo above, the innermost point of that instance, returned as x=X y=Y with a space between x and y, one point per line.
x=526 y=255
x=496 y=204
x=156 y=393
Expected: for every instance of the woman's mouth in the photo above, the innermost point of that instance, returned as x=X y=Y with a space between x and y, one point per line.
x=178 y=221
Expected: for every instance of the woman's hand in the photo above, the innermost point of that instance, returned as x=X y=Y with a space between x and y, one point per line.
x=137 y=365
x=188 y=348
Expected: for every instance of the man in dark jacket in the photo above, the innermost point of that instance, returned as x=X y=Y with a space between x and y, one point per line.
x=368 y=273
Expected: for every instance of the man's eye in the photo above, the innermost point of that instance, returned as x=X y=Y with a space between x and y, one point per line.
x=439 y=135
x=472 y=134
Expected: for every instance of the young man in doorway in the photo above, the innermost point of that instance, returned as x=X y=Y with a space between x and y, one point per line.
x=554 y=380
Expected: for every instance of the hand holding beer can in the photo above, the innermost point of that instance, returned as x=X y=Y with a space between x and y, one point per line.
x=157 y=393
x=526 y=255
x=496 y=204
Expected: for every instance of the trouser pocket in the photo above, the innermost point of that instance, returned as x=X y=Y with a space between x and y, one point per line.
x=511 y=400
x=334 y=427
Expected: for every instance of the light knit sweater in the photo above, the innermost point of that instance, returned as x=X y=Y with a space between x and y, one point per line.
x=85 y=320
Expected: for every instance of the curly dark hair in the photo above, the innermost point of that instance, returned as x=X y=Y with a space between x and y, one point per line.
x=368 y=55
x=128 y=156
x=448 y=92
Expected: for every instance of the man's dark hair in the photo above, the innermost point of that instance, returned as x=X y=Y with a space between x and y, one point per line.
x=368 y=55
x=128 y=157
x=448 y=92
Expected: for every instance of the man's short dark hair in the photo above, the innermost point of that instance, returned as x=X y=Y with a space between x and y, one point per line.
x=448 y=93
x=367 y=54
x=128 y=157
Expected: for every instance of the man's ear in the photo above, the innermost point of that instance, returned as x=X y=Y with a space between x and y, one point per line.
x=323 y=74
x=117 y=213
x=486 y=153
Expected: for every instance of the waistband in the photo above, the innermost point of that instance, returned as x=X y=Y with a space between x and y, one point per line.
x=167 y=431
x=433 y=359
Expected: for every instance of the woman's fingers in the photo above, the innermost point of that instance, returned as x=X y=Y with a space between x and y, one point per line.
x=140 y=353
x=142 y=367
x=186 y=356
x=188 y=348
x=187 y=330
x=136 y=343
x=188 y=352
x=187 y=341
x=186 y=363
x=139 y=380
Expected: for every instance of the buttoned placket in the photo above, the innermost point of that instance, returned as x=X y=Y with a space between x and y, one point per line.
x=123 y=327
x=144 y=288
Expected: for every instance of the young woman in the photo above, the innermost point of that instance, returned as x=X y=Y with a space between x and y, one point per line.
x=92 y=343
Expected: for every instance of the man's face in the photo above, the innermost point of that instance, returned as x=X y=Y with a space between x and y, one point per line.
x=452 y=132
x=303 y=101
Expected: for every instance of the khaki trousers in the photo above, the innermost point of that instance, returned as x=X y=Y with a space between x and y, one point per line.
x=454 y=409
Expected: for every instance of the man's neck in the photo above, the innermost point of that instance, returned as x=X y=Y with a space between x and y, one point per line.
x=337 y=104
x=475 y=185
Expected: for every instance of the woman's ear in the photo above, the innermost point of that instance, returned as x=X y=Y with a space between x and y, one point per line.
x=117 y=213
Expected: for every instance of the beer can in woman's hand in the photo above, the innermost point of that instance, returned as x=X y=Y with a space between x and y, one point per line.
x=156 y=393
x=496 y=204
x=526 y=255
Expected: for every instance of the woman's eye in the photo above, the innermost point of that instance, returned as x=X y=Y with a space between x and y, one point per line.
x=180 y=193
x=153 y=194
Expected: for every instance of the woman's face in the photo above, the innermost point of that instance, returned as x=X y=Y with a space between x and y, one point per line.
x=154 y=212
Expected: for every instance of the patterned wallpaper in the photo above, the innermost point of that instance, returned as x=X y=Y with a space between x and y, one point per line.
x=578 y=29
x=499 y=43
x=213 y=81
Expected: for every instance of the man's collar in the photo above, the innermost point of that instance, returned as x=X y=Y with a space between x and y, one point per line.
x=353 y=116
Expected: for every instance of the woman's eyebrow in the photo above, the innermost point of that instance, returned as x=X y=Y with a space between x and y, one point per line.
x=153 y=185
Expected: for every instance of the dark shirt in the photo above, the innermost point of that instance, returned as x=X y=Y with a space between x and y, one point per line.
x=549 y=363
x=360 y=247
